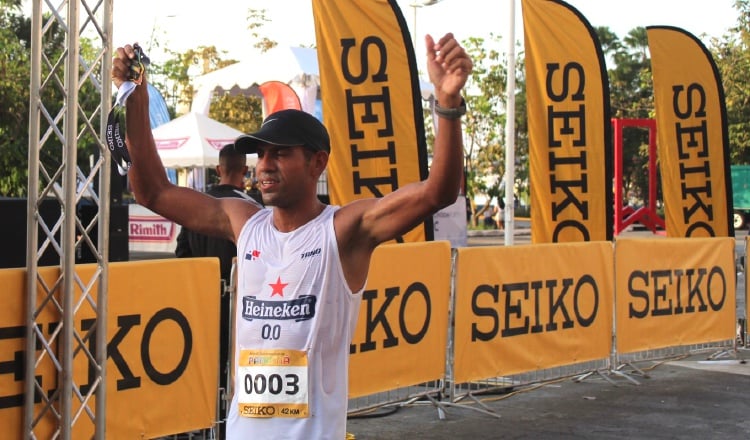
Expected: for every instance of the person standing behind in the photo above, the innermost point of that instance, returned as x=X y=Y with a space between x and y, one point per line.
x=302 y=264
x=500 y=213
x=232 y=169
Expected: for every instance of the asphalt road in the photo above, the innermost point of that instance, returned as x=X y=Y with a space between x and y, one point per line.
x=687 y=398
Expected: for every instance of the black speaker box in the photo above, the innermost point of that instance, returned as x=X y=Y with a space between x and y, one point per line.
x=14 y=225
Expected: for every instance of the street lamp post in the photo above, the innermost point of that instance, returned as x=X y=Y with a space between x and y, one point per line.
x=414 y=6
x=510 y=130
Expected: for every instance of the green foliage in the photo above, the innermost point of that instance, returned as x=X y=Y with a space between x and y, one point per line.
x=174 y=79
x=15 y=71
x=257 y=19
x=173 y=76
x=484 y=123
x=244 y=113
x=732 y=56
x=631 y=97
x=14 y=105
x=631 y=88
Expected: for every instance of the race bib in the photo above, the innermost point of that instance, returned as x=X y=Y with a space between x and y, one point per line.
x=272 y=383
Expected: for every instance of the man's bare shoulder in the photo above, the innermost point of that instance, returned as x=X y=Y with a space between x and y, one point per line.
x=239 y=211
x=241 y=204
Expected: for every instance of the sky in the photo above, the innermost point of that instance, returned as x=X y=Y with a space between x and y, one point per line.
x=223 y=23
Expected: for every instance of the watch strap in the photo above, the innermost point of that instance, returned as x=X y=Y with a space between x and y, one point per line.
x=451 y=113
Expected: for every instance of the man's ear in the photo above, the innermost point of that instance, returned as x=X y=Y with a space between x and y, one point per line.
x=319 y=162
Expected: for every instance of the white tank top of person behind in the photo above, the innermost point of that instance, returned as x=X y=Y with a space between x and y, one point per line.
x=293 y=296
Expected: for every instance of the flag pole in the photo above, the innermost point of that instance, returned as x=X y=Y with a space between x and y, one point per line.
x=510 y=129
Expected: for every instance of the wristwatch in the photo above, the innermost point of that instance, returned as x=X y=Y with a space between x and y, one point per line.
x=451 y=113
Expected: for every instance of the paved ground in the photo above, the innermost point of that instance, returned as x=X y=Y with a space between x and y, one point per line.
x=688 y=398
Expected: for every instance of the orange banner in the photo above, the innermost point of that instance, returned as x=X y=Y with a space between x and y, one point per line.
x=403 y=320
x=570 y=140
x=674 y=291
x=278 y=96
x=371 y=101
x=692 y=133
x=526 y=308
x=13 y=352
x=163 y=331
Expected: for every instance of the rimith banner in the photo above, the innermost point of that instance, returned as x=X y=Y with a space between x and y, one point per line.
x=570 y=142
x=403 y=320
x=371 y=101
x=692 y=133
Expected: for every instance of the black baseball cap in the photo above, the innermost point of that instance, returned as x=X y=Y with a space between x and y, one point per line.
x=287 y=128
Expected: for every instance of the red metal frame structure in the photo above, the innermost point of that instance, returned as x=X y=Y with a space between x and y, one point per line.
x=627 y=215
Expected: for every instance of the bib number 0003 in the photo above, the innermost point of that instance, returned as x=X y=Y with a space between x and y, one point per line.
x=272 y=383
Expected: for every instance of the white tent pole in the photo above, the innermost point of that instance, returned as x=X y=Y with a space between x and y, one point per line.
x=510 y=129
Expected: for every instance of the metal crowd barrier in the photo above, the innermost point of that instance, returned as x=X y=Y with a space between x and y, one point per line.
x=445 y=393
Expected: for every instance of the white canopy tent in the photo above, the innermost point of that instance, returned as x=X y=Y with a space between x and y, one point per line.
x=296 y=66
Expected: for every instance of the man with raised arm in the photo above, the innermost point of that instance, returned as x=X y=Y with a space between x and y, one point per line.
x=302 y=265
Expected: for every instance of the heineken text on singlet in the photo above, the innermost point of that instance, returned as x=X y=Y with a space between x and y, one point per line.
x=299 y=309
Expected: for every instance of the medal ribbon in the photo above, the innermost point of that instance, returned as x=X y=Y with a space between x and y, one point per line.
x=116 y=122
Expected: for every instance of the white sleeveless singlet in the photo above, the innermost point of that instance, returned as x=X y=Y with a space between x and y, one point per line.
x=292 y=302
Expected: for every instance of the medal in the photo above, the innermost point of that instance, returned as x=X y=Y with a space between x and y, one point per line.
x=138 y=65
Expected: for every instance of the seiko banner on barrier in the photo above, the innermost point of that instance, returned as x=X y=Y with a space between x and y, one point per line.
x=525 y=308
x=402 y=331
x=692 y=132
x=371 y=101
x=163 y=331
x=674 y=291
x=570 y=142
x=13 y=351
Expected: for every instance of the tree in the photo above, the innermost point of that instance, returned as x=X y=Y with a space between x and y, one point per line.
x=631 y=97
x=521 y=190
x=484 y=125
x=173 y=77
x=15 y=71
x=732 y=56
x=241 y=110
x=14 y=107
x=257 y=19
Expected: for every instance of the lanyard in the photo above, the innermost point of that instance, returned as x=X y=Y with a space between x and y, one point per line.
x=116 y=125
